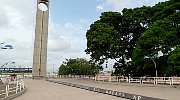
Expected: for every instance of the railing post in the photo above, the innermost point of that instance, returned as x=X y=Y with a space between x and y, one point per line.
x=156 y=80
x=16 y=87
x=110 y=78
x=7 y=90
x=141 y=80
x=20 y=86
x=169 y=81
x=23 y=85
x=129 y=80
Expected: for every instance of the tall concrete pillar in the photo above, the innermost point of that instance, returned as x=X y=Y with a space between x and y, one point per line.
x=41 y=37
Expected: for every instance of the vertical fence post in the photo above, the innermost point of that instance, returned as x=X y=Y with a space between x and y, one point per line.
x=141 y=80
x=156 y=80
x=129 y=80
x=16 y=87
x=110 y=78
x=7 y=90
x=20 y=86
x=170 y=81
x=23 y=85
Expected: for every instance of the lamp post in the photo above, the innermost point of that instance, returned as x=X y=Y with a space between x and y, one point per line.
x=154 y=67
x=53 y=73
x=2 y=43
x=4 y=67
x=6 y=46
x=53 y=68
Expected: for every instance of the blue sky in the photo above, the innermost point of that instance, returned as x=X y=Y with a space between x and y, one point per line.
x=68 y=23
x=63 y=11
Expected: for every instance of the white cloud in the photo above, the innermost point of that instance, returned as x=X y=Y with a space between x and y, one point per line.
x=84 y=22
x=56 y=40
x=99 y=8
x=3 y=18
x=118 y=5
x=66 y=41
x=99 y=1
x=17 y=27
x=58 y=46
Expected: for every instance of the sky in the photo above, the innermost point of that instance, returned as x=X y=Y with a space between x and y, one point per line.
x=68 y=22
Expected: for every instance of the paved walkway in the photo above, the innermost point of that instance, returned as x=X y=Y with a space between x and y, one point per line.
x=166 y=92
x=44 y=90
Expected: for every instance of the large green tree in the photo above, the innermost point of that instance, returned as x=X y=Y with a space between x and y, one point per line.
x=174 y=63
x=116 y=36
x=78 y=66
x=162 y=35
x=102 y=41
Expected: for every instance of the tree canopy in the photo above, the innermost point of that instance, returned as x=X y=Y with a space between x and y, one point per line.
x=78 y=66
x=174 y=63
x=131 y=36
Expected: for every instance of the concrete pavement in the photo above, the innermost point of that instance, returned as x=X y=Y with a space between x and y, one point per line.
x=44 y=90
x=166 y=92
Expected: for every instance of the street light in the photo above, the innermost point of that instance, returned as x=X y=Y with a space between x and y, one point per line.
x=154 y=66
x=2 y=44
x=53 y=68
x=5 y=65
x=6 y=46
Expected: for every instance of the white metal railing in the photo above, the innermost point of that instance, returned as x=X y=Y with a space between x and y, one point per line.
x=140 y=80
x=10 y=87
x=150 y=80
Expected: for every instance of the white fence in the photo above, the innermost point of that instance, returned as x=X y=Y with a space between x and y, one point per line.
x=139 y=80
x=152 y=80
x=10 y=87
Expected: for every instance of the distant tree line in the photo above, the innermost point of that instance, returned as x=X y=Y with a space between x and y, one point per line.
x=139 y=40
x=78 y=66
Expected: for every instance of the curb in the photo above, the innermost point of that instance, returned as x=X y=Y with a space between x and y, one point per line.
x=107 y=92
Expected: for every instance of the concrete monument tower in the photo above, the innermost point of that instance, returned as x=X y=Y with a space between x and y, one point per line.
x=41 y=37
